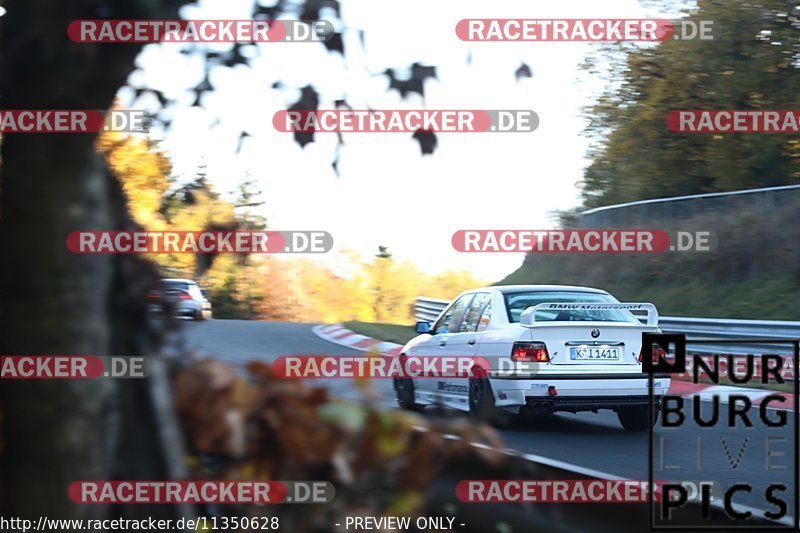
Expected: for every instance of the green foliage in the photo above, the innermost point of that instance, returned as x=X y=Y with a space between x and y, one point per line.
x=752 y=66
x=224 y=298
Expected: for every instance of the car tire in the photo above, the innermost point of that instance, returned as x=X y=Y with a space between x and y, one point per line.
x=404 y=390
x=481 y=398
x=636 y=417
x=198 y=315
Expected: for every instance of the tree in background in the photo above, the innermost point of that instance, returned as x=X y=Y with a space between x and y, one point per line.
x=753 y=66
x=380 y=284
x=259 y=286
x=280 y=300
x=303 y=290
x=143 y=171
x=447 y=285
x=159 y=203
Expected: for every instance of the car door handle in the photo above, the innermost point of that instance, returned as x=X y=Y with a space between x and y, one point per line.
x=471 y=342
x=442 y=343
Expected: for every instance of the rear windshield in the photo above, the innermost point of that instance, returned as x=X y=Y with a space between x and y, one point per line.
x=176 y=285
x=517 y=302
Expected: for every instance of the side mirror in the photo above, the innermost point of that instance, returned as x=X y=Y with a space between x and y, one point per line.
x=423 y=327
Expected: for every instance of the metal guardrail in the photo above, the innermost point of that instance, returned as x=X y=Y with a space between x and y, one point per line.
x=724 y=329
x=728 y=329
x=428 y=309
x=677 y=208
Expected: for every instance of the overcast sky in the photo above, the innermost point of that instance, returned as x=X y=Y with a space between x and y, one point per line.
x=387 y=193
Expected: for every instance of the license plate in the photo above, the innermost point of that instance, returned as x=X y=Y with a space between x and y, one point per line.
x=594 y=353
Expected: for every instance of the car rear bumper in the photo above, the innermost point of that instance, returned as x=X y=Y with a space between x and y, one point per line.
x=577 y=403
x=577 y=393
x=187 y=308
x=179 y=309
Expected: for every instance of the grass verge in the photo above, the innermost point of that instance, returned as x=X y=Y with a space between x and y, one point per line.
x=385 y=332
x=765 y=299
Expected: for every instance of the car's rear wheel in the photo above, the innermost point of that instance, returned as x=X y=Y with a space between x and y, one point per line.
x=636 y=417
x=404 y=389
x=198 y=315
x=481 y=398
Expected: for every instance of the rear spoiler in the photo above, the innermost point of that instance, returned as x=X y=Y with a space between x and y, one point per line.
x=528 y=317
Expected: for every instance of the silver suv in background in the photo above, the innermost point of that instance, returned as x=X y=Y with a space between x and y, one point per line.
x=183 y=297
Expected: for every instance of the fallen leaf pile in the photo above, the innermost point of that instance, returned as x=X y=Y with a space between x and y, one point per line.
x=259 y=426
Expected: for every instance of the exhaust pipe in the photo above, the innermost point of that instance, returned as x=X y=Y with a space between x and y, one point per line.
x=539 y=407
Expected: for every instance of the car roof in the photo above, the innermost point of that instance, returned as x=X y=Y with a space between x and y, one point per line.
x=178 y=280
x=508 y=289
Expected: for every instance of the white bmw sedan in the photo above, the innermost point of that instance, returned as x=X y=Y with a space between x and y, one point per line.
x=543 y=348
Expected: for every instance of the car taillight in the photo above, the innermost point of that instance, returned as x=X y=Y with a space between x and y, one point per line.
x=152 y=296
x=530 y=352
x=658 y=352
x=185 y=296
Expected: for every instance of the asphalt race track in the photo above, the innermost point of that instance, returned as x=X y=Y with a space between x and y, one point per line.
x=588 y=440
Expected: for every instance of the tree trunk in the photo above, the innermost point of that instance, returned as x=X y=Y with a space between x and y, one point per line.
x=52 y=302
x=55 y=302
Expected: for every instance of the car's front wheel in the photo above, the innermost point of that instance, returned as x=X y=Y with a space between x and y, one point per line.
x=636 y=417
